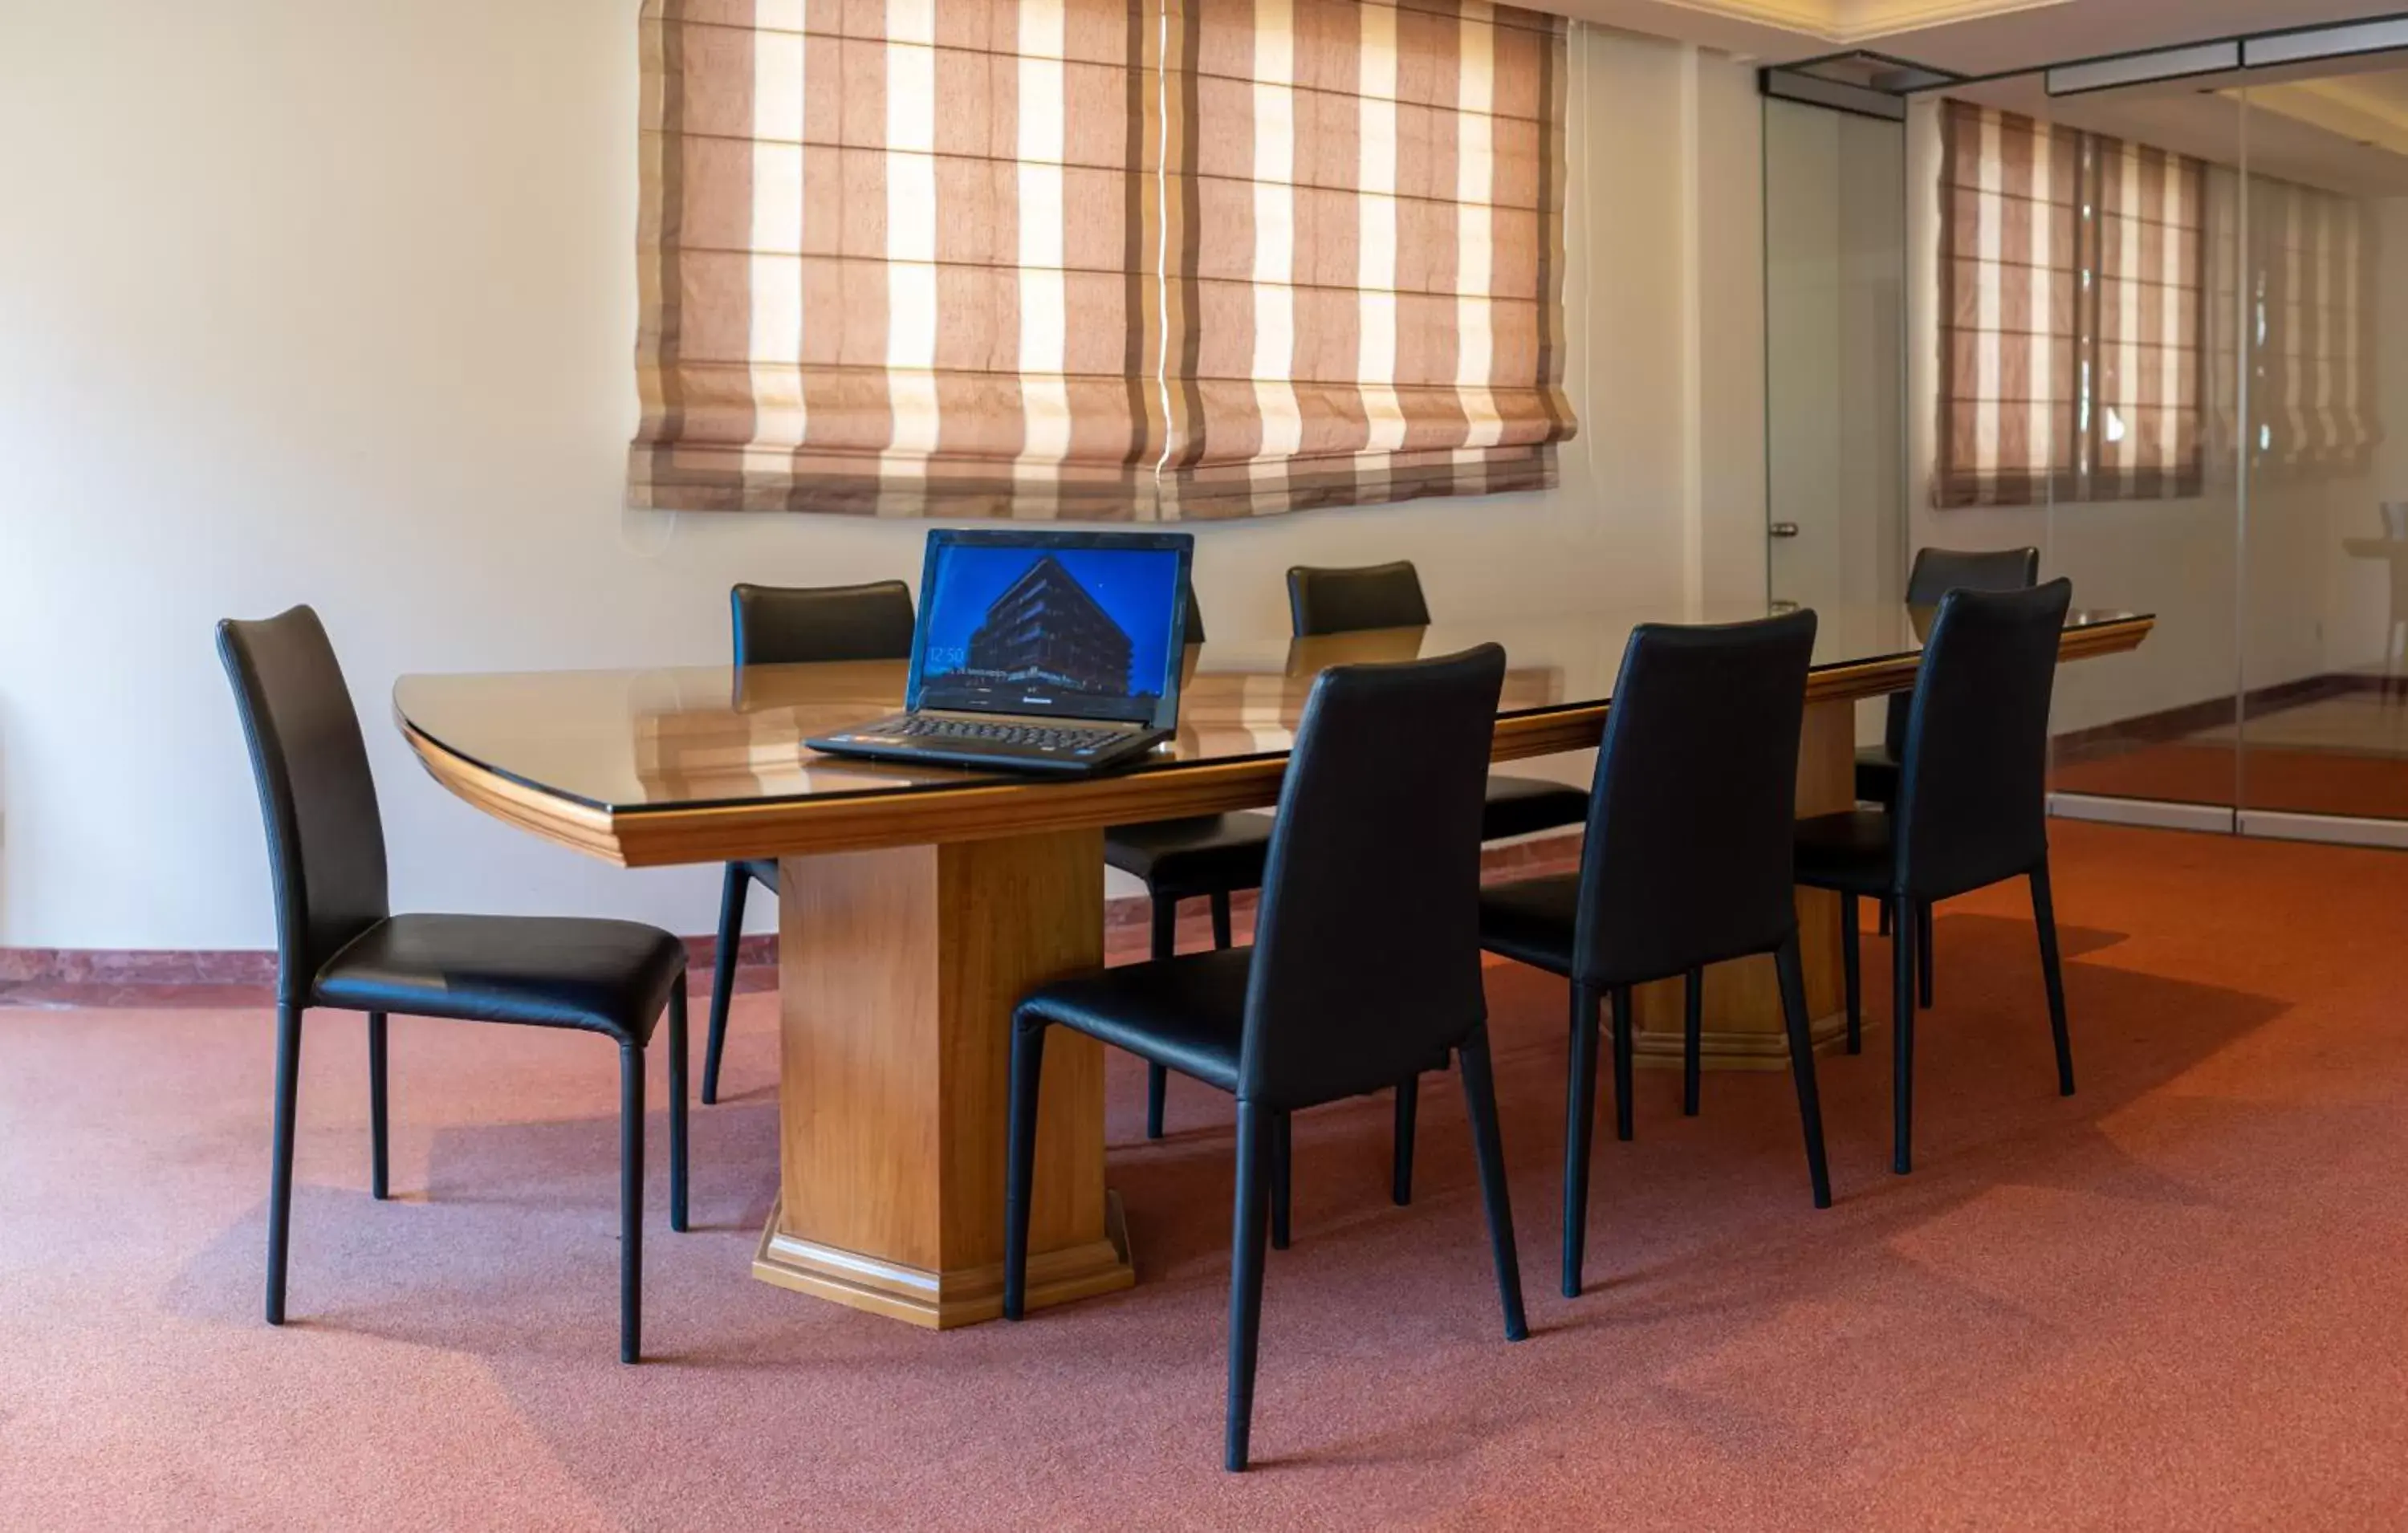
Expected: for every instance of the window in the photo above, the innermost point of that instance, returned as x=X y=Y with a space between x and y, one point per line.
x=1102 y=259
x=2072 y=313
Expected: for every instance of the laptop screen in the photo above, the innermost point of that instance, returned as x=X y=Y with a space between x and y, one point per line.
x=1079 y=625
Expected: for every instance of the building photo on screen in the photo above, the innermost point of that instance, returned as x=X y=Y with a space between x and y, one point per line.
x=1077 y=631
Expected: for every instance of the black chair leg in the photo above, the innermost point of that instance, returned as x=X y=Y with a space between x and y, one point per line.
x=1246 y=1277
x=379 y=1164
x=1165 y=943
x=1693 y=1022
x=1283 y=1162
x=1400 y=1176
x=1624 y=1108
x=280 y=1161
x=2044 y=918
x=1020 y=1163
x=676 y=1107
x=1852 y=965
x=1488 y=1148
x=1580 y=1112
x=723 y=975
x=1221 y=919
x=1923 y=953
x=631 y=1202
x=1902 y=1156
x=1801 y=1065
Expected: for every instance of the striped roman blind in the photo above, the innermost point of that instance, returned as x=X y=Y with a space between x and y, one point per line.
x=2145 y=250
x=2071 y=314
x=2308 y=274
x=1128 y=260
x=2009 y=288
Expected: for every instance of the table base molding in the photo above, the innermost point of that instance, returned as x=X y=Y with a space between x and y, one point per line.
x=941 y=1300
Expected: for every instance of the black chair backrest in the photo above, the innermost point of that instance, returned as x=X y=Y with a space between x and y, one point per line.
x=1366 y=948
x=326 y=839
x=1939 y=571
x=1689 y=857
x=1936 y=572
x=792 y=625
x=1972 y=784
x=1343 y=601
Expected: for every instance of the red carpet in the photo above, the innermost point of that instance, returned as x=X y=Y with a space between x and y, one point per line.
x=2173 y=1302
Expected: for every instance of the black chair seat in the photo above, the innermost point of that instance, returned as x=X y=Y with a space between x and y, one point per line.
x=761 y=870
x=1202 y=854
x=607 y=977
x=1187 y=1013
x=1532 y=921
x=1876 y=775
x=1848 y=851
x=1518 y=806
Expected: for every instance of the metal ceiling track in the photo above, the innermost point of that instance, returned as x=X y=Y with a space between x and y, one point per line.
x=1872 y=84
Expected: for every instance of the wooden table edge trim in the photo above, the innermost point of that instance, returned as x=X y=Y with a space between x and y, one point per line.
x=579 y=826
x=650 y=837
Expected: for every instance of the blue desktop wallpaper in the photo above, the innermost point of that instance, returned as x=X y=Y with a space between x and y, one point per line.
x=1137 y=587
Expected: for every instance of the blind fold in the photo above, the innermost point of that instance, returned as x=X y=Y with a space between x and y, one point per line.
x=1140 y=259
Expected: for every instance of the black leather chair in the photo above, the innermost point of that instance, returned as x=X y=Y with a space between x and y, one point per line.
x=339 y=944
x=1971 y=806
x=1322 y=601
x=1365 y=966
x=1345 y=601
x=1688 y=863
x=781 y=625
x=1211 y=855
x=1934 y=574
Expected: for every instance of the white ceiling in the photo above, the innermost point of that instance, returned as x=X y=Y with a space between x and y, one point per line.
x=2347 y=135
x=2341 y=125
x=1970 y=37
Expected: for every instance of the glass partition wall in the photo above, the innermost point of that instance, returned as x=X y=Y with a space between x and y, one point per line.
x=1835 y=360
x=2323 y=312
x=2158 y=332
x=2075 y=384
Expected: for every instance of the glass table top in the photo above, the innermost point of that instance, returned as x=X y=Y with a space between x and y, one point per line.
x=691 y=737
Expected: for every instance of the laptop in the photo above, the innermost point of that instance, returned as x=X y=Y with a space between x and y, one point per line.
x=1038 y=652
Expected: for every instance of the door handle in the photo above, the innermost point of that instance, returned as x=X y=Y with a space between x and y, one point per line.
x=1783 y=529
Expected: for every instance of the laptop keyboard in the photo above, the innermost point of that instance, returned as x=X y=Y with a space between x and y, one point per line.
x=1039 y=737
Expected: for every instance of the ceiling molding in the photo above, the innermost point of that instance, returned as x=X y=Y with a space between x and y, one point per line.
x=1845 y=23
x=1865 y=20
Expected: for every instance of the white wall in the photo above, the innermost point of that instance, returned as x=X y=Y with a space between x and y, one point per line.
x=330 y=301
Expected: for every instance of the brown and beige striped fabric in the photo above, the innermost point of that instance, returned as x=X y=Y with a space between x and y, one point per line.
x=2072 y=315
x=2311 y=272
x=1135 y=260
x=2146 y=336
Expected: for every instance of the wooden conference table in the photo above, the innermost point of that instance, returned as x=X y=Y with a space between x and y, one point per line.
x=917 y=904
